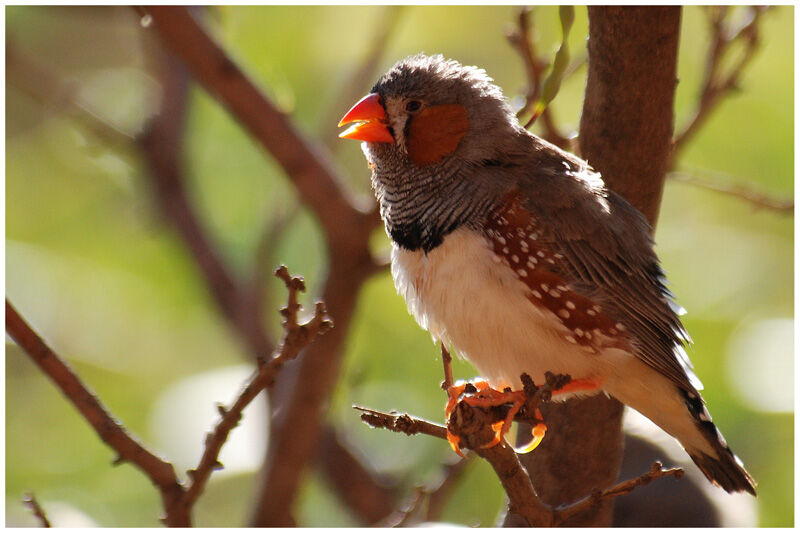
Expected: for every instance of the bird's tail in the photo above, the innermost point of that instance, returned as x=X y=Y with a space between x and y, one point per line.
x=722 y=467
x=683 y=414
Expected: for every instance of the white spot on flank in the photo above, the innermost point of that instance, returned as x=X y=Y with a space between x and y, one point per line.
x=522 y=272
x=501 y=240
x=569 y=304
x=505 y=249
x=515 y=258
x=579 y=332
x=571 y=339
x=524 y=246
x=537 y=294
x=555 y=294
x=532 y=262
x=591 y=312
x=540 y=253
x=620 y=326
x=563 y=313
x=496 y=258
x=562 y=288
x=545 y=287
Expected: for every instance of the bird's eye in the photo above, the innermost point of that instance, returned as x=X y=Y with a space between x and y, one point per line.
x=413 y=106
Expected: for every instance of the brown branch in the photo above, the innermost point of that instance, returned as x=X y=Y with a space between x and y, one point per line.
x=756 y=198
x=523 y=500
x=160 y=472
x=29 y=500
x=439 y=496
x=625 y=487
x=525 y=44
x=162 y=146
x=361 y=80
x=50 y=90
x=426 y=503
x=296 y=429
x=307 y=166
x=717 y=85
x=178 y=500
x=401 y=423
x=296 y=337
x=369 y=496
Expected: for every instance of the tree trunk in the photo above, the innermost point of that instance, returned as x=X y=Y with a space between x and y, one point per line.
x=626 y=134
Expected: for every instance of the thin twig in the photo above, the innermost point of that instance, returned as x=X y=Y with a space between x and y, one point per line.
x=625 y=487
x=524 y=43
x=296 y=337
x=401 y=423
x=716 y=85
x=112 y=432
x=29 y=500
x=347 y=230
x=756 y=198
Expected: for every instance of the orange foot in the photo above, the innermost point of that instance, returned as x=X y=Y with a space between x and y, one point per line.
x=489 y=397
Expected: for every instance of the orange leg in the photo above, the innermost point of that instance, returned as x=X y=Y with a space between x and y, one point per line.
x=489 y=397
x=579 y=385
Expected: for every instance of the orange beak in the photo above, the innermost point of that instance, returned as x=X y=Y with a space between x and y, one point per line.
x=371 y=118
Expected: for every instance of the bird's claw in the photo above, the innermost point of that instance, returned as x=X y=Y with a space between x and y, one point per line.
x=486 y=396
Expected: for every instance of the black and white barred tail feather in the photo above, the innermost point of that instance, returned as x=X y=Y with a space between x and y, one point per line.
x=726 y=470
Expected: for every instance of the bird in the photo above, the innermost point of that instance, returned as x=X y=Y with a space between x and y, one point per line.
x=514 y=252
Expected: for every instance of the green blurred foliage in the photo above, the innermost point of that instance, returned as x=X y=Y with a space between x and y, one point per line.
x=95 y=269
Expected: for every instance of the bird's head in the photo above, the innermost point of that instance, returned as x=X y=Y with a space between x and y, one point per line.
x=427 y=110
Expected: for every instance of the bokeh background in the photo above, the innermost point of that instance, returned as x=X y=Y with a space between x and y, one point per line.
x=102 y=277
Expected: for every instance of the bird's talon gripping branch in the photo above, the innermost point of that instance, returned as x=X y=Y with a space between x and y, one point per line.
x=480 y=394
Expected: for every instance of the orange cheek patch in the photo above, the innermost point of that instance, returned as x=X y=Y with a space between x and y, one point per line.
x=435 y=132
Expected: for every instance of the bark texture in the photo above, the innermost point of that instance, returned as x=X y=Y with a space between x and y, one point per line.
x=626 y=134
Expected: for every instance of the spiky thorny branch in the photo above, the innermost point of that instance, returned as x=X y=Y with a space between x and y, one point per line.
x=29 y=500
x=177 y=498
x=717 y=84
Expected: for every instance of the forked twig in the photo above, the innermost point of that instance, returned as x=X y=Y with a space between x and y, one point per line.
x=716 y=83
x=296 y=336
x=657 y=471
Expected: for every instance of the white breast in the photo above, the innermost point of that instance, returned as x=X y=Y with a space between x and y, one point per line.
x=465 y=297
